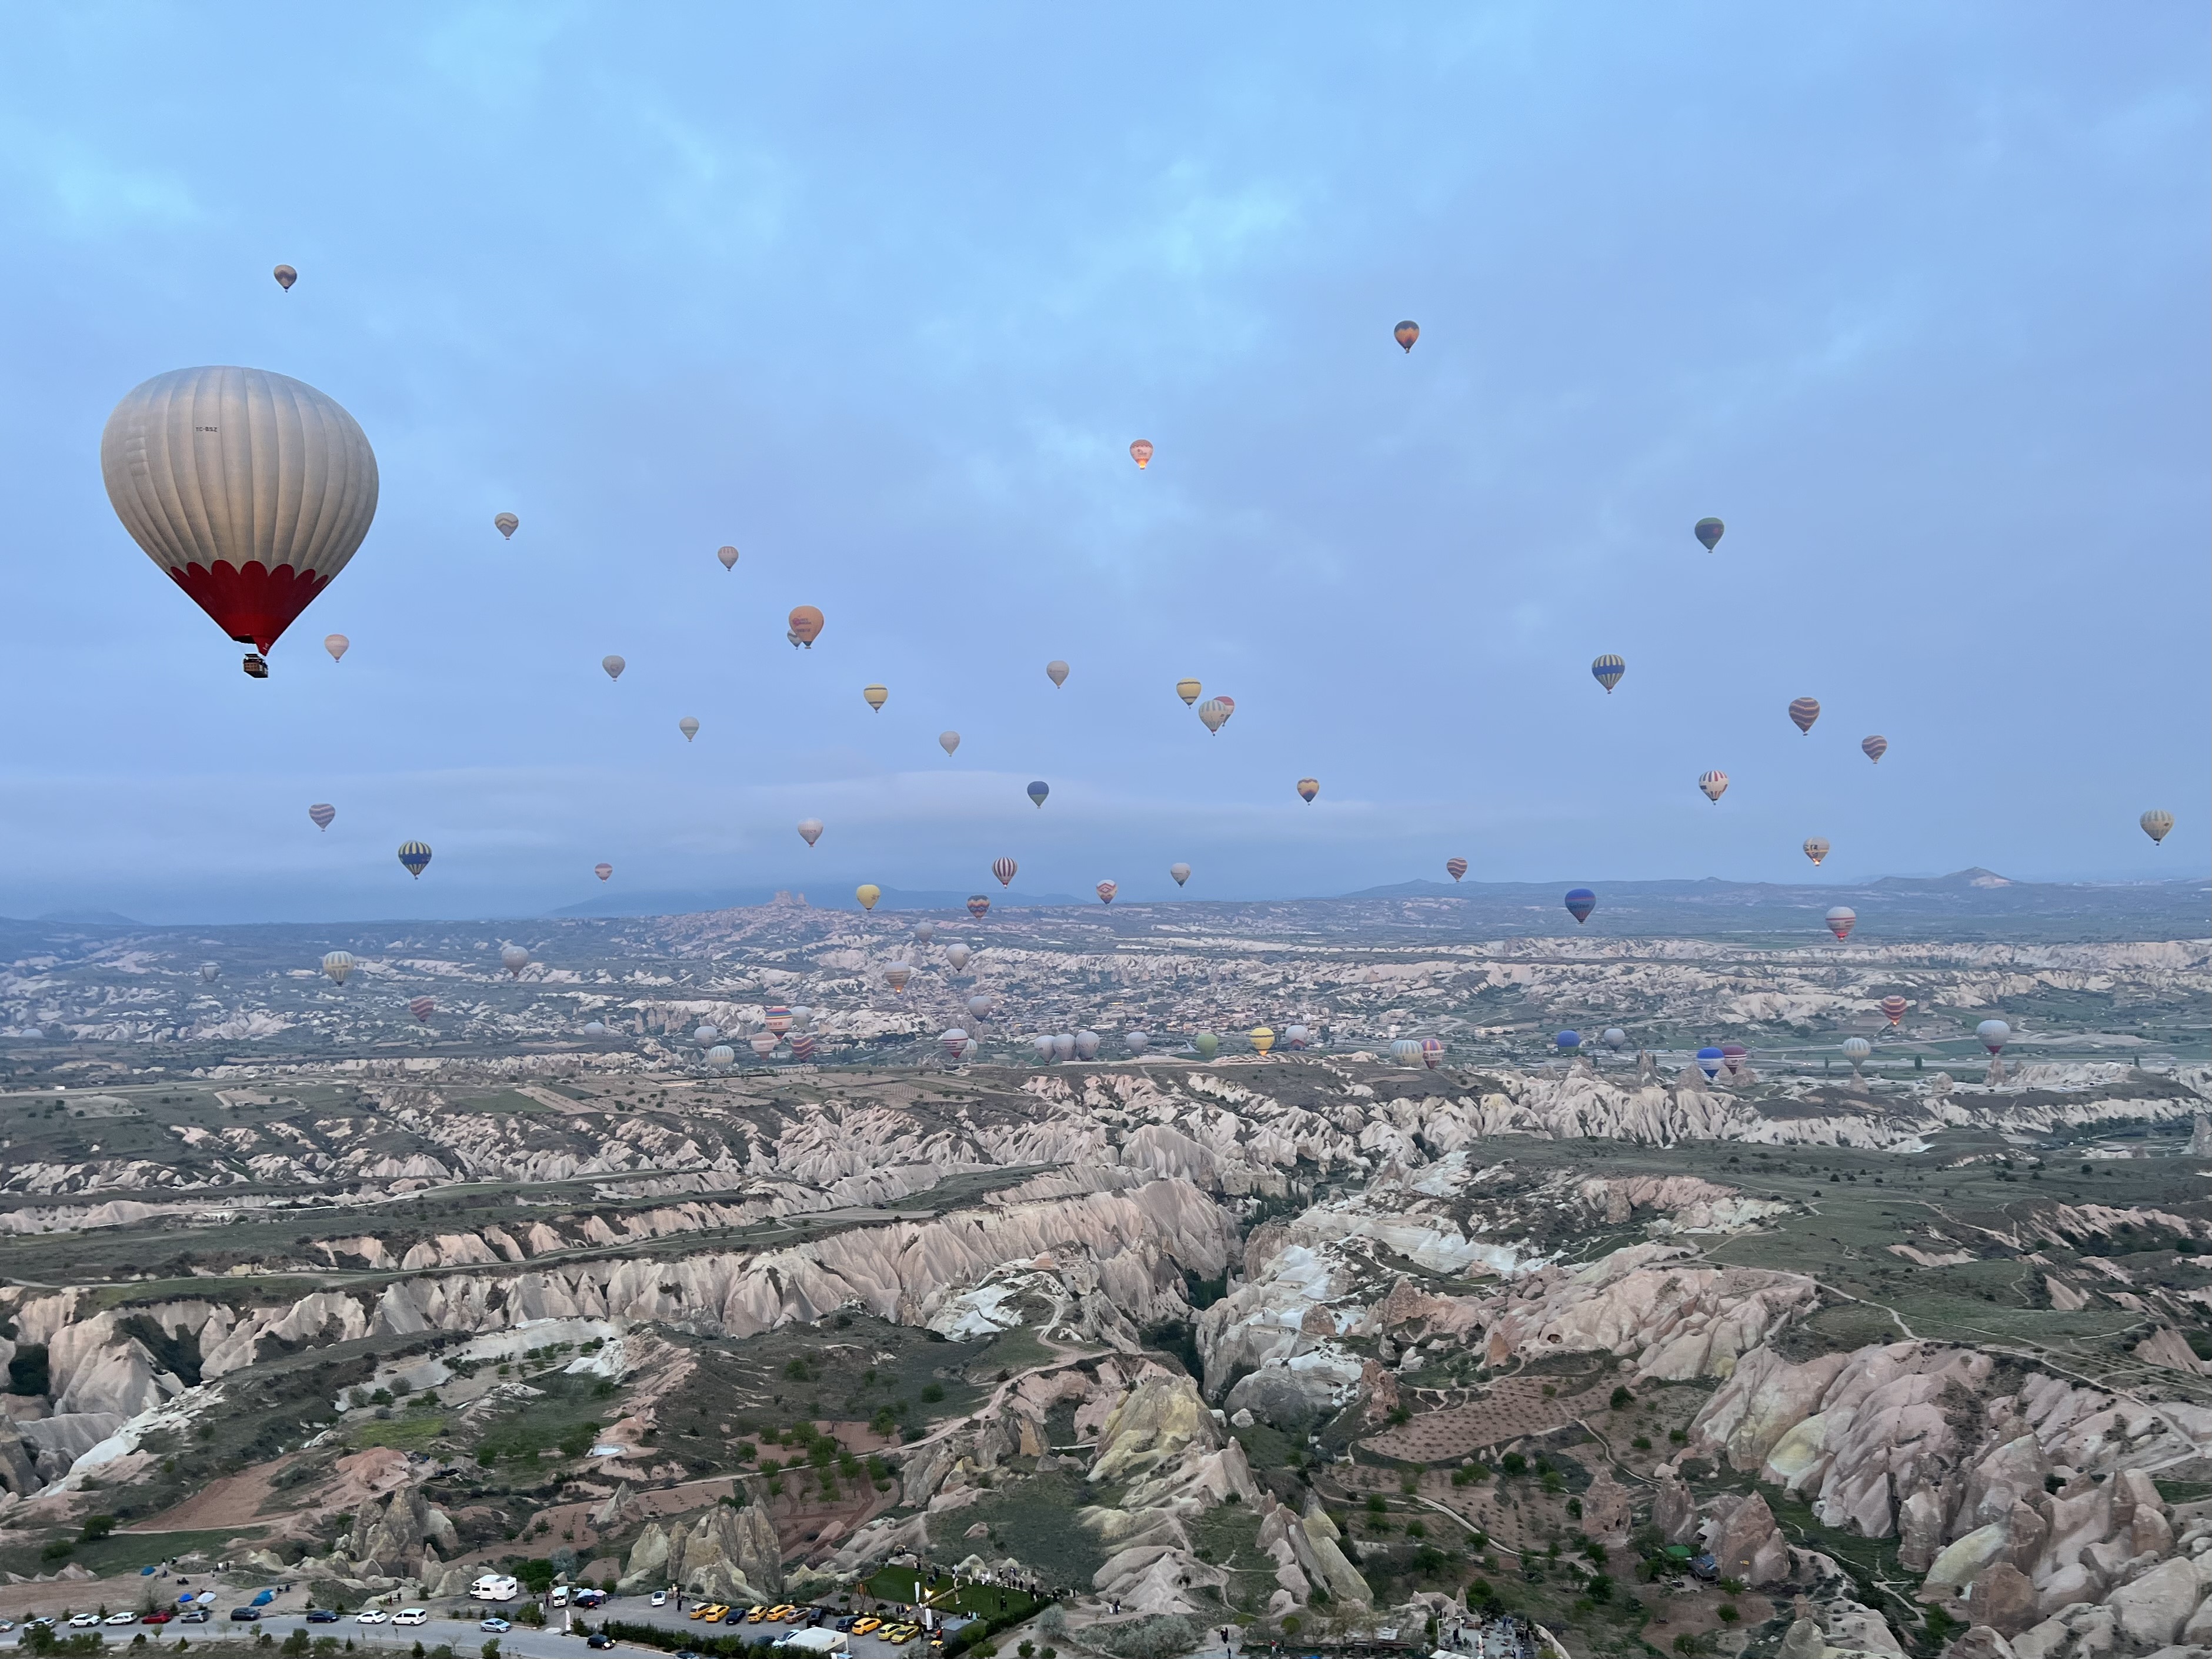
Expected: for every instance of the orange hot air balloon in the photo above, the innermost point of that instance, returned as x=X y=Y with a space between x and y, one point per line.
x=806 y=625
x=1309 y=787
x=1141 y=452
x=1405 y=333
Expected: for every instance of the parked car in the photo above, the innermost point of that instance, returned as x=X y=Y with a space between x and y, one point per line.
x=411 y=1616
x=120 y=1618
x=495 y=1624
x=84 y=1620
x=6 y=1625
x=598 y=1638
x=246 y=1616
x=560 y=1598
x=658 y=1599
x=159 y=1616
x=194 y=1614
x=322 y=1615
x=371 y=1616
x=590 y=1598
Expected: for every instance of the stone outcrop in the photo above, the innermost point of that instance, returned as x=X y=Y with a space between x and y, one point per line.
x=726 y=1553
x=399 y=1536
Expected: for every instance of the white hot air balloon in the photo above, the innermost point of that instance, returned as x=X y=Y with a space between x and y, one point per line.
x=1136 y=1041
x=948 y=741
x=801 y=1017
x=721 y=1054
x=614 y=665
x=957 y=955
x=809 y=831
x=688 y=726
x=1063 y=1045
x=924 y=932
x=953 y=1041
x=1615 y=1038
x=1296 y=1035
x=762 y=1043
x=707 y=1036
x=1180 y=871
x=1086 y=1045
x=514 y=959
x=337 y=964
x=1994 y=1033
x=338 y=645
x=981 y=1005
x=1048 y=1046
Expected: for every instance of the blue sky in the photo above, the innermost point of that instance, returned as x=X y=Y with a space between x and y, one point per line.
x=1912 y=297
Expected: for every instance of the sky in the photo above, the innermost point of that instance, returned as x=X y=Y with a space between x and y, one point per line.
x=1912 y=297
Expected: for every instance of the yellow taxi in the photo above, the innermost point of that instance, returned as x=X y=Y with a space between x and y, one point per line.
x=900 y=1636
x=756 y=1615
x=716 y=1613
x=862 y=1626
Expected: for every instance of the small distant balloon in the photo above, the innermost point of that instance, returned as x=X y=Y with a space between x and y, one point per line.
x=777 y=1019
x=1714 y=784
x=1581 y=900
x=1455 y=868
x=1567 y=1040
x=1263 y=1038
x=285 y=276
x=1710 y=530
x=1607 y=670
x=1004 y=870
x=1038 y=790
x=689 y=725
x=1215 y=712
x=896 y=976
x=1856 y=1048
x=1615 y=1038
x=1136 y=1041
x=810 y=830
x=978 y=906
x=1733 y=1055
x=728 y=556
x=1296 y=1035
x=1180 y=871
x=1208 y=1045
x=1189 y=690
x=721 y=1055
x=1841 y=919
x=802 y=1045
x=957 y=955
x=595 y=1028
x=706 y=1035
x=762 y=1043
x=948 y=741
x=867 y=892
x=422 y=1008
x=1308 y=788
x=1875 y=748
x=1106 y=892
x=801 y=1016
x=2156 y=823
x=953 y=1042
x=614 y=665
x=806 y=625
x=338 y=645
x=210 y=971
x=1803 y=711
x=1893 y=1009
x=1406 y=1051
x=1141 y=452
x=1816 y=847
x=1086 y=1045
x=924 y=932
x=337 y=964
x=876 y=696
x=980 y=1005
x=1405 y=333
x=514 y=959
x=603 y=871
x=322 y=812
x=415 y=857
x=507 y=524
x=1994 y=1033
x=1432 y=1052
x=1709 y=1063
x=1056 y=672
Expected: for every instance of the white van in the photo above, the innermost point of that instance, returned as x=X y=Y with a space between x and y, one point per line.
x=560 y=1595
x=411 y=1616
x=495 y=1587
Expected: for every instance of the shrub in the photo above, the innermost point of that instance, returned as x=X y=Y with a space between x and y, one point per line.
x=1514 y=1464
x=1622 y=1397
x=1727 y=1613
x=931 y=1393
x=96 y=1527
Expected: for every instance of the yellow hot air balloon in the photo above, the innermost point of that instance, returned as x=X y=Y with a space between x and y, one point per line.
x=1189 y=691
x=1309 y=787
x=876 y=695
x=867 y=892
x=1263 y=1038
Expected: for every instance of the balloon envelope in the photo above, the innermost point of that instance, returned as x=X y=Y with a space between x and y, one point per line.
x=1432 y=1052
x=925 y=931
x=1056 y=672
x=1455 y=868
x=251 y=490
x=1405 y=333
x=415 y=857
x=1569 y=1040
x=337 y=964
x=954 y=1041
x=602 y=870
x=1615 y=1038
x=980 y=1005
x=728 y=556
x=613 y=665
x=1063 y=1045
x=1875 y=748
x=877 y=696
x=1038 y=790
x=210 y=971
x=1709 y=1063
x=285 y=276
x=595 y=1028
x=896 y=976
x=338 y=645
x=1141 y=452
x=322 y=812
x=1188 y=691
x=1607 y=670
x=948 y=741
x=1004 y=870
x=1856 y=1048
x=514 y=959
x=957 y=955
x=1086 y=1045
x=1710 y=530
x=867 y=892
x=2156 y=823
x=1841 y=919
x=1180 y=871
x=1816 y=847
x=1994 y=1033
x=978 y=906
x=706 y=1035
x=1580 y=902
x=688 y=726
x=1405 y=1049
x=1263 y=1038
x=1714 y=784
x=1215 y=712
x=1136 y=1041
x=1893 y=1008
x=507 y=524
x=1208 y=1045
x=810 y=830
x=806 y=625
x=1803 y=711
x=1106 y=892
x=1308 y=788
x=777 y=1020
x=721 y=1054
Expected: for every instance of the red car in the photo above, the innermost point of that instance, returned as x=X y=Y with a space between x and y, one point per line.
x=159 y=1616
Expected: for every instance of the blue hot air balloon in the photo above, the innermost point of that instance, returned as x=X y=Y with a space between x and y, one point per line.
x=1709 y=1063
x=1580 y=902
x=1569 y=1041
x=417 y=857
x=1038 y=791
x=1608 y=668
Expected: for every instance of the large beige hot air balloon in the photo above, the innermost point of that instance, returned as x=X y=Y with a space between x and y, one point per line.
x=252 y=490
x=2156 y=823
x=337 y=964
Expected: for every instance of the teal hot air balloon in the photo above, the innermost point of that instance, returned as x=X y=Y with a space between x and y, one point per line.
x=417 y=857
x=1039 y=790
x=1607 y=670
x=1708 y=531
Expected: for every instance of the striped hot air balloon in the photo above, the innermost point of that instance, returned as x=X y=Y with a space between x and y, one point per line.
x=1709 y=1063
x=876 y=696
x=1405 y=333
x=1004 y=870
x=1875 y=748
x=1607 y=670
x=415 y=857
x=778 y=1020
x=1733 y=1055
x=422 y=1008
x=1106 y=892
x=1803 y=711
x=1263 y=1038
x=762 y=1044
x=728 y=556
x=2156 y=823
x=1406 y=1051
x=507 y=524
x=337 y=964
x=1188 y=691
x=1841 y=919
x=1856 y=1048
x=1455 y=868
x=978 y=906
x=802 y=1045
x=1893 y=1009
x=1432 y=1052
x=1816 y=847
x=896 y=976
x=1215 y=712
x=953 y=1041
x=322 y=812
x=1308 y=788
x=1580 y=902
x=603 y=871
x=1715 y=784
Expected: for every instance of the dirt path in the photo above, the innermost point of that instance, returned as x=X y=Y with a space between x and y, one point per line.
x=234 y=1500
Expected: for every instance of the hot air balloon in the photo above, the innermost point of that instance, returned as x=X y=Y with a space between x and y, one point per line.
x=1136 y=1041
x=1106 y=892
x=1455 y=868
x=925 y=931
x=1215 y=712
x=896 y=976
x=613 y=665
x=602 y=870
x=954 y=1041
x=1308 y=788
x=1856 y=1048
x=1566 y=1040
x=978 y=906
x=806 y=625
x=1296 y=1035
x=1580 y=902
x=801 y=1016
x=1432 y=1052
x=689 y=725
x=867 y=892
x=1709 y=1063
x=948 y=741
x=1816 y=847
x=1405 y=1051
x=1710 y=530
x=1180 y=871
x=1086 y=1045
x=1733 y=1054
x=1141 y=452
x=285 y=276
x=1004 y=869
x=1405 y=333
x=1893 y=1008
x=595 y=1028
x=721 y=1054
x=514 y=959
x=2155 y=824
x=809 y=831
x=1208 y=1045
x=728 y=556
x=1615 y=1038
x=422 y=1008
x=210 y=971
x=1038 y=790
x=322 y=812
x=777 y=1019
x=1063 y=1046
x=337 y=964
x=507 y=524
x=1841 y=919
x=338 y=645
x=802 y=1045
x=1607 y=670
x=1056 y=672
x=1263 y=1038
x=957 y=955
x=1227 y=701
x=1043 y=1045
x=706 y=1035
x=876 y=696
x=1189 y=690
x=251 y=490
x=761 y=1044
x=415 y=857
x=1875 y=748
x=981 y=1005
x=1803 y=711
x=1715 y=784
x=1994 y=1033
